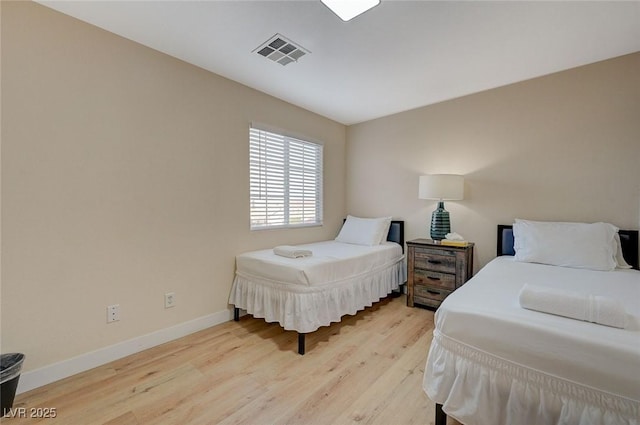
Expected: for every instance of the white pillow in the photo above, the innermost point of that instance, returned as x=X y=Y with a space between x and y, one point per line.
x=385 y=232
x=364 y=231
x=578 y=245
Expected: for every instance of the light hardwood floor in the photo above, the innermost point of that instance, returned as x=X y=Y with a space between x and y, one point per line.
x=366 y=369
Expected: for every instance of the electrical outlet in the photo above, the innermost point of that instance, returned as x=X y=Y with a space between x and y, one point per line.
x=113 y=313
x=169 y=300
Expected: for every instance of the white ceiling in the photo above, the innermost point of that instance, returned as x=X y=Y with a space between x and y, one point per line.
x=398 y=56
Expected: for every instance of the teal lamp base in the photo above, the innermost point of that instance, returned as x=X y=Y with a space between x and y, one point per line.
x=440 y=223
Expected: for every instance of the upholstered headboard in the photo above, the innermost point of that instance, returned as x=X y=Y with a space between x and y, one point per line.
x=396 y=232
x=628 y=241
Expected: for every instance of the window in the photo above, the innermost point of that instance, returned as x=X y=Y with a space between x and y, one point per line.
x=285 y=180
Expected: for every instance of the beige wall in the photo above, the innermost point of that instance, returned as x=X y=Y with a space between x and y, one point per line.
x=125 y=176
x=561 y=147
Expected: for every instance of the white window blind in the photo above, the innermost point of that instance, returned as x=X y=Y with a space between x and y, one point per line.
x=285 y=180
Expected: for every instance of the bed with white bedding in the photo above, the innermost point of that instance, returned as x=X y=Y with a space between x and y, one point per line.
x=494 y=362
x=340 y=277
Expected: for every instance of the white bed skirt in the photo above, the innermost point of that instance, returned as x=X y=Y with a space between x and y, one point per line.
x=477 y=388
x=306 y=308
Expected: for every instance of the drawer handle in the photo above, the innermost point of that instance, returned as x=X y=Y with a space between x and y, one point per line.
x=433 y=292
x=433 y=277
x=434 y=261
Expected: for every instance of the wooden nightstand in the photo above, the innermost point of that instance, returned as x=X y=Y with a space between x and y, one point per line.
x=435 y=271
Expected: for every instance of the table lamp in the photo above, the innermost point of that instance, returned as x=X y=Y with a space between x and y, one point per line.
x=441 y=187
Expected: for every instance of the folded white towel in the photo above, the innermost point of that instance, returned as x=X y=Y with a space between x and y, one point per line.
x=291 y=251
x=575 y=305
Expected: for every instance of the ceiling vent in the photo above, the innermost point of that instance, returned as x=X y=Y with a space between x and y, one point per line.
x=280 y=49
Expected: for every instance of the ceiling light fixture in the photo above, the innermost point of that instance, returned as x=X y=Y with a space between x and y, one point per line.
x=349 y=9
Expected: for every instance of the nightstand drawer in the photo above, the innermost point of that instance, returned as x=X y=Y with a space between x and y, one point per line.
x=427 y=302
x=434 y=294
x=437 y=262
x=443 y=280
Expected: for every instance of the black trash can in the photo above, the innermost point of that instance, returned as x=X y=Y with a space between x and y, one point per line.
x=10 y=367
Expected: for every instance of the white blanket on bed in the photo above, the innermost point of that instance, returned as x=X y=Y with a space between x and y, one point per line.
x=331 y=262
x=303 y=294
x=493 y=362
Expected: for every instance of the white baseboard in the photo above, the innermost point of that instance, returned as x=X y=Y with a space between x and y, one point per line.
x=54 y=372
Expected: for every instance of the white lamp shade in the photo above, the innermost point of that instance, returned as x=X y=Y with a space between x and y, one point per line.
x=445 y=187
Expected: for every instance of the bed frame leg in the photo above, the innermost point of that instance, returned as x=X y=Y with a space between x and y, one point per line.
x=441 y=417
x=236 y=314
x=301 y=344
